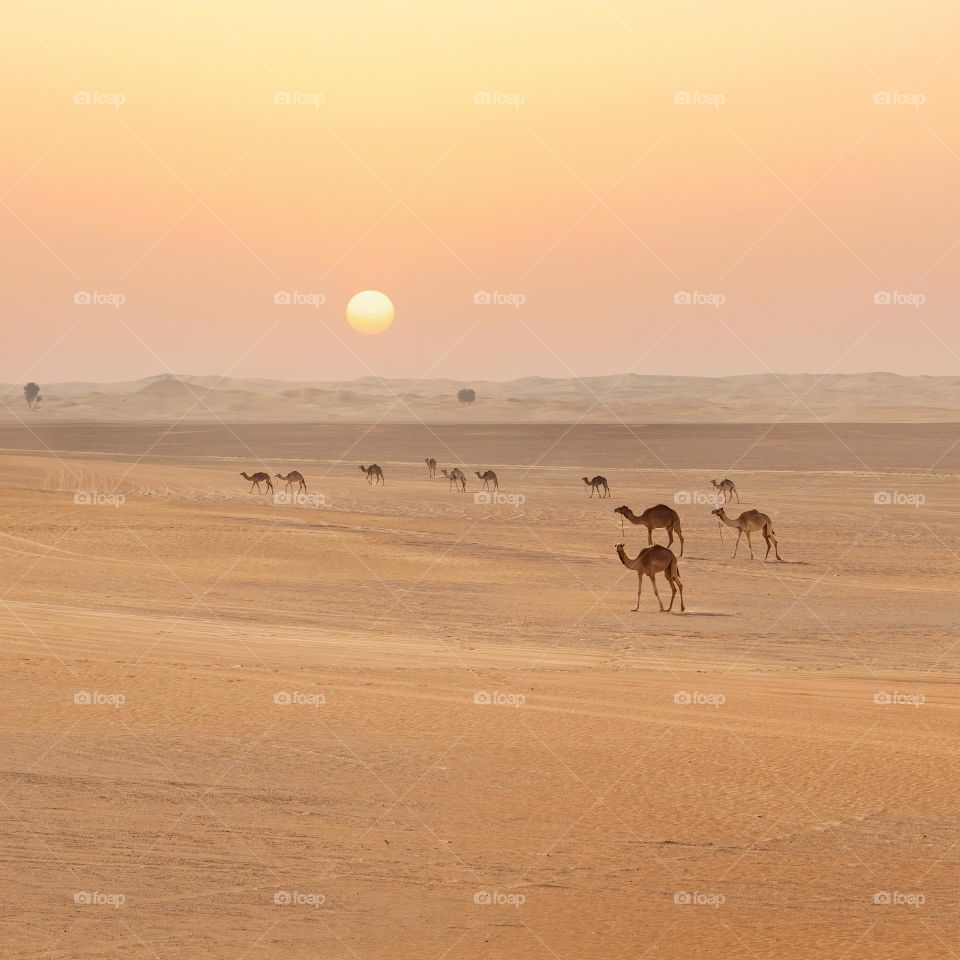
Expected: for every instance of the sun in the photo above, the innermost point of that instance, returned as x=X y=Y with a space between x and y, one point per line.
x=370 y=312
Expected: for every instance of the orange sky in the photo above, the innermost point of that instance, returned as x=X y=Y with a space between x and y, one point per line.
x=783 y=197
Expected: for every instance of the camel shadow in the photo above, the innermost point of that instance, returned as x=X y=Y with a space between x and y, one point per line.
x=687 y=613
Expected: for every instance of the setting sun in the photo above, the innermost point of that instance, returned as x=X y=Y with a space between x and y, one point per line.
x=370 y=312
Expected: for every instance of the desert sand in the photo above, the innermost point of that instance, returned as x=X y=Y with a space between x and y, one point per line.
x=626 y=398
x=395 y=722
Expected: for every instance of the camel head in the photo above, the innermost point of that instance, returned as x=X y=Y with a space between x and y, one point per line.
x=585 y=479
x=623 y=511
x=718 y=513
x=363 y=468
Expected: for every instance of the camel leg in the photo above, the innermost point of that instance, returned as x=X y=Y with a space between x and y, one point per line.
x=737 y=492
x=750 y=544
x=776 y=547
x=680 y=585
x=605 y=487
x=639 y=589
x=673 y=591
x=680 y=537
x=252 y=485
x=649 y=536
x=736 y=546
x=656 y=592
x=669 y=537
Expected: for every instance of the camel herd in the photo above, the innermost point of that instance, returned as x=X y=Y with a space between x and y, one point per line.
x=653 y=559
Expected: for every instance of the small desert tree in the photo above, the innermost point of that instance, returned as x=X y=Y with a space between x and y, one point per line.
x=30 y=393
x=466 y=396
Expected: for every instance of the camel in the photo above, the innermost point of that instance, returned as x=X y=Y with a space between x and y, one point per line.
x=294 y=476
x=257 y=479
x=488 y=476
x=659 y=516
x=374 y=473
x=595 y=484
x=728 y=488
x=455 y=476
x=651 y=561
x=431 y=466
x=750 y=522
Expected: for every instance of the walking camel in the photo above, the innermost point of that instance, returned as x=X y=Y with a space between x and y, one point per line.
x=653 y=519
x=374 y=473
x=750 y=522
x=728 y=488
x=294 y=476
x=595 y=484
x=431 y=466
x=455 y=476
x=649 y=562
x=488 y=477
x=257 y=479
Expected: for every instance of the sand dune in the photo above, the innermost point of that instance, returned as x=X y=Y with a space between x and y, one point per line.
x=875 y=397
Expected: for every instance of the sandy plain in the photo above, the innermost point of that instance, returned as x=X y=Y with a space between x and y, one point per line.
x=485 y=752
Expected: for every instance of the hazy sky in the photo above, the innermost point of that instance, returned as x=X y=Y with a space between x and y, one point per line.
x=438 y=149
